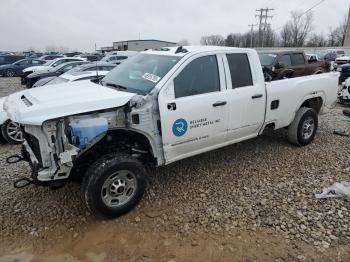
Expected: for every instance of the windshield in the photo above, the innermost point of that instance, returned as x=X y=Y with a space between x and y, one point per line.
x=266 y=59
x=59 y=67
x=140 y=73
x=81 y=68
x=19 y=61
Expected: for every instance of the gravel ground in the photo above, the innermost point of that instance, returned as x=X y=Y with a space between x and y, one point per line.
x=261 y=185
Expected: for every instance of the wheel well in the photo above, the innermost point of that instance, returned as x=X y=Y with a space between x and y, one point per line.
x=125 y=141
x=315 y=103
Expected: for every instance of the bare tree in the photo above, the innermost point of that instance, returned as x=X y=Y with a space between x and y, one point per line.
x=317 y=40
x=296 y=30
x=51 y=48
x=183 y=42
x=213 y=40
x=233 y=40
x=271 y=38
x=336 y=36
x=31 y=49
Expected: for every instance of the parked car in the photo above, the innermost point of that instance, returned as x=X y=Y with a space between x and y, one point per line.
x=341 y=61
x=344 y=92
x=156 y=108
x=71 y=77
x=32 y=78
x=71 y=54
x=118 y=57
x=311 y=58
x=288 y=64
x=96 y=66
x=48 y=65
x=344 y=71
x=10 y=132
x=9 y=59
x=16 y=68
x=330 y=57
x=338 y=52
x=91 y=58
x=50 y=57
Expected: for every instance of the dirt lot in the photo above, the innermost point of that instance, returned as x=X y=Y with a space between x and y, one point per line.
x=252 y=201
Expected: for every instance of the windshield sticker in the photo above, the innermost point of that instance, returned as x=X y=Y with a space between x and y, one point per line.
x=151 y=77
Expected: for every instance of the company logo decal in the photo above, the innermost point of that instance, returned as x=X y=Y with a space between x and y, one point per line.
x=180 y=127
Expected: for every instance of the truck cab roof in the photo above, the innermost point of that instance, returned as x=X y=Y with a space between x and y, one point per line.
x=185 y=50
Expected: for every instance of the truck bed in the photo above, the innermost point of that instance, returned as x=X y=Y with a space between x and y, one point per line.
x=287 y=91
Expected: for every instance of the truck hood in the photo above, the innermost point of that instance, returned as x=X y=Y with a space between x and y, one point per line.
x=36 y=68
x=35 y=106
x=342 y=58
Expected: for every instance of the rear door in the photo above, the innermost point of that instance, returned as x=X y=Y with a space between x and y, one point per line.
x=299 y=64
x=246 y=96
x=193 y=108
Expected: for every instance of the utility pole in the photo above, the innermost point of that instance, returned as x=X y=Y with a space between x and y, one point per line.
x=347 y=33
x=251 y=34
x=263 y=16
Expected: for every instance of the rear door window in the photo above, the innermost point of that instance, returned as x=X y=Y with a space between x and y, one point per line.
x=285 y=60
x=121 y=57
x=298 y=59
x=241 y=74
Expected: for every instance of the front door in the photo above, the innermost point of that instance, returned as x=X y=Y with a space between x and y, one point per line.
x=193 y=108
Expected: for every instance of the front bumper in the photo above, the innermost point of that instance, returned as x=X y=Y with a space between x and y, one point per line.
x=28 y=156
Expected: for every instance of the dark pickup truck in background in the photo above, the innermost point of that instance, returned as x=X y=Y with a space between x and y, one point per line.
x=288 y=64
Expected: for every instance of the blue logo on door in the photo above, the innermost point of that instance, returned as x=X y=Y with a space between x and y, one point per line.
x=180 y=127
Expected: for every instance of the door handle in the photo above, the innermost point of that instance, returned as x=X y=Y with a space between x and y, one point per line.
x=219 y=103
x=257 y=96
x=171 y=106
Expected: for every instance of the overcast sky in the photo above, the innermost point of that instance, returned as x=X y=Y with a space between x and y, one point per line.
x=79 y=24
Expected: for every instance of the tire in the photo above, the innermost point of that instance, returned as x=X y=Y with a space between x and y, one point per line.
x=12 y=132
x=10 y=73
x=114 y=185
x=302 y=130
x=2 y=139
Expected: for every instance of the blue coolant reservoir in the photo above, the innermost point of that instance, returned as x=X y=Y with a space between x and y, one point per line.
x=85 y=130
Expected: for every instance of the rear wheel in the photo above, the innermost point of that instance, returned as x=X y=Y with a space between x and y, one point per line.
x=12 y=132
x=10 y=73
x=114 y=185
x=302 y=130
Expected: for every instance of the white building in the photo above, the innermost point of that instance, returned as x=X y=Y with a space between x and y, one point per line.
x=140 y=45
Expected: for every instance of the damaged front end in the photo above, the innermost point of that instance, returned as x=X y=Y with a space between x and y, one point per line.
x=51 y=149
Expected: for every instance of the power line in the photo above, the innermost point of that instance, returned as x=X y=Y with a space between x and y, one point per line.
x=305 y=12
x=312 y=8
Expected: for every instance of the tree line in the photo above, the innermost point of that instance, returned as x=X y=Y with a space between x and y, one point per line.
x=296 y=32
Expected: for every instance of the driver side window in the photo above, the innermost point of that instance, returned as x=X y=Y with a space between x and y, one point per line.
x=199 y=77
x=24 y=62
x=285 y=60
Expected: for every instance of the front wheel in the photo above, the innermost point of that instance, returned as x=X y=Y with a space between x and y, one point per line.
x=302 y=130
x=10 y=73
x=12 y=132
x=114 y=185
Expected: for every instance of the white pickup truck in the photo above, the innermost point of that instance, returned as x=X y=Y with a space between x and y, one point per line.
x=158 y=107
